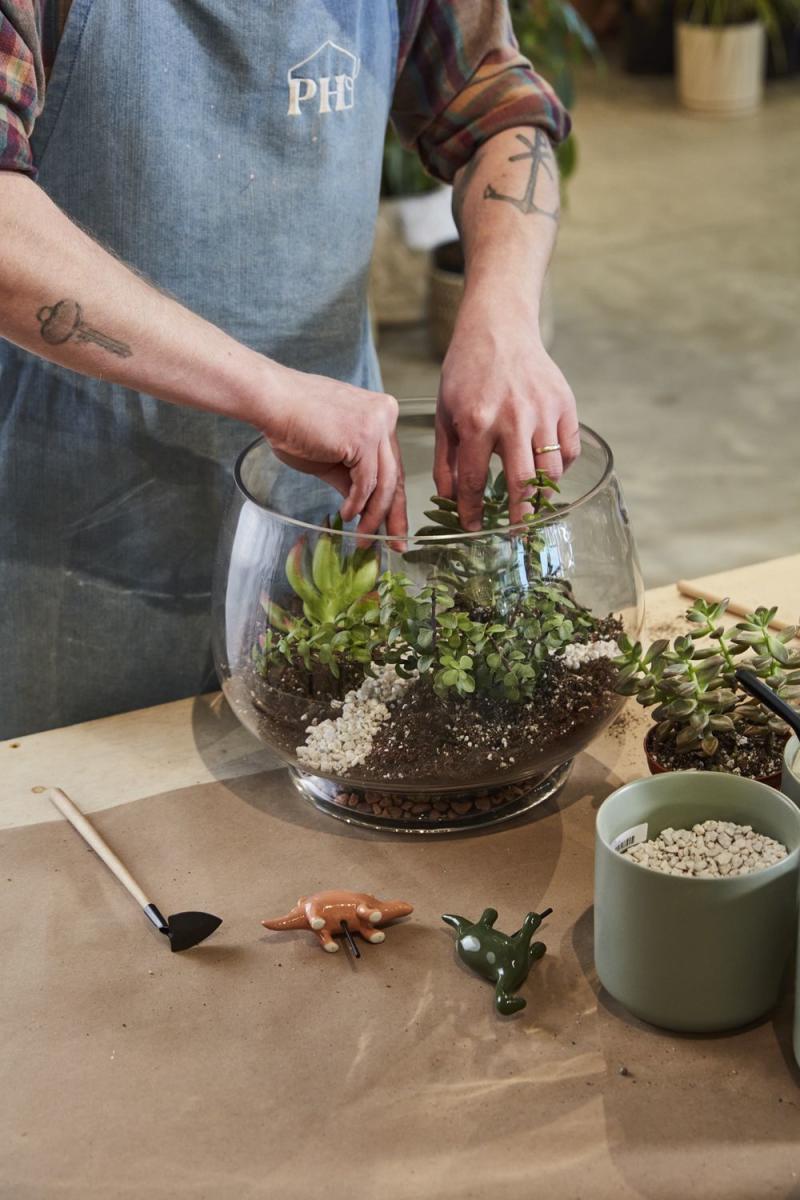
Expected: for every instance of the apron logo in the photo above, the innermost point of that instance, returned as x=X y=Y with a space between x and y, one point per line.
x=326 y=79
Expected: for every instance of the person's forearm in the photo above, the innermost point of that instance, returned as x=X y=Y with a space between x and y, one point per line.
x=501 y=393
x=64 y=297
x=506 y=205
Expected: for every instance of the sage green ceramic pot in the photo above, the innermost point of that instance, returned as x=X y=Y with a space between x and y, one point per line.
x=790 y=779
x=790 y=786
x=695 y=955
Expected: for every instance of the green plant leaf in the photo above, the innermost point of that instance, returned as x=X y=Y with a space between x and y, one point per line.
x=448 y=520
x=655 y=650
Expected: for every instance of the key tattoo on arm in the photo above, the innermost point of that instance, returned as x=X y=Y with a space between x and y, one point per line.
x=64 y=320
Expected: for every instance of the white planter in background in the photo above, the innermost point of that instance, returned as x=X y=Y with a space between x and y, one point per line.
x=407 y=229
x=720 y=69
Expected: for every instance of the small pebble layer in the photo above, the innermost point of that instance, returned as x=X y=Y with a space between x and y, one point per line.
x=708 y=851
x=336 y=744
x=578 y=653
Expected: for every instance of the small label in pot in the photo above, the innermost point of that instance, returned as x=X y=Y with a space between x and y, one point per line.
x=631 y=837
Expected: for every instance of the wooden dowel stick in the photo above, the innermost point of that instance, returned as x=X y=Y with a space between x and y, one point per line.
x=687 y=588
x=88 y=832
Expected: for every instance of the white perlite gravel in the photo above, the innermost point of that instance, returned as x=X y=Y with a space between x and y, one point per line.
x=708 y=851
x=578 y=653
x=336 y=744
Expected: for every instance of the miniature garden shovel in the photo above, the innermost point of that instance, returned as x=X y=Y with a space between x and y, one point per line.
x=184 y=929
x=763 y=692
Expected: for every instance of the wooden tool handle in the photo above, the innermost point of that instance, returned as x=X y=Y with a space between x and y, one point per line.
x=687 y=588
x=88 y=832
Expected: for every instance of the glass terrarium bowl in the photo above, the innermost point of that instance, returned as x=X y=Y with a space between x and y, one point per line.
x=439 y=686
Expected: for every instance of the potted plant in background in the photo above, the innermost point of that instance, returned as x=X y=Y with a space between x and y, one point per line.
x=555 y=38
x=647 y=30
x=721 y=47
x=703 y=719
x=414 y=214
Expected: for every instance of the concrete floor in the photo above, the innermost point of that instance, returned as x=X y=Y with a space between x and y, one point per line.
x=677 y=288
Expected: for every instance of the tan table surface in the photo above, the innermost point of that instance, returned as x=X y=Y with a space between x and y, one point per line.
x=257 y=1066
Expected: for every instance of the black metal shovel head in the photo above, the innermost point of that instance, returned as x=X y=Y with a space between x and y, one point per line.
x=186 y=929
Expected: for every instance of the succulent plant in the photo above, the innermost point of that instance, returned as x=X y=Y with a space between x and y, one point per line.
x=340 y=607
x=485 y=570
x=330 y=579
x=444 y=514
x=691 y=684
x=486 y=621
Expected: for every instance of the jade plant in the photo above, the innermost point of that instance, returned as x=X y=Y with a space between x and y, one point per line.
x=486 y=621
x=691 y=684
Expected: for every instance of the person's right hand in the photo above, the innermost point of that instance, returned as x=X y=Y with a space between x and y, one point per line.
x=345 y=436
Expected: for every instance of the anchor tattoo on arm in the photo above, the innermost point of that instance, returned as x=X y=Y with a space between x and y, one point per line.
x=61 y=321
x=540 y=155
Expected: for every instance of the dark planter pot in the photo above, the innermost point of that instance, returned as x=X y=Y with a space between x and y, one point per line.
x=648 y=39
x=656 y=768
x=787 y=63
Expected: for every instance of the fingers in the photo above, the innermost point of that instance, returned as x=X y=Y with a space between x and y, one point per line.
x=549 y=461
x=519 y=469
x=363 y=473
x=333 y=473
x=444 y=458
x=397 y=517
x=383 y=496
x=569 y=435
x=473 y=467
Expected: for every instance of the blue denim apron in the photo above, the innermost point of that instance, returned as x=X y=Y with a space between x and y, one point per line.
x=231 y=151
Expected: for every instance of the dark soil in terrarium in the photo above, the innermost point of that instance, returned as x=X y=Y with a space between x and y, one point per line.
x=284 y=709
x=464 y=741
x=738 y=754
x=461 y=739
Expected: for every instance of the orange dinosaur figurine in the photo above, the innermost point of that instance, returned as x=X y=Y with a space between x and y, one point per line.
x=324 y=913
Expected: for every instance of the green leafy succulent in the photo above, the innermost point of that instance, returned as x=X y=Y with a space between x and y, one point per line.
x=484 y=570
x=691 y=684
x=339 y=619
x=485 y=622
x=330 y=579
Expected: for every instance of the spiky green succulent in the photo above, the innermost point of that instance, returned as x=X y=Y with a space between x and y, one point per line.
x=485 y=622
x=336 y=588
x=333 y=579
x=484 y=570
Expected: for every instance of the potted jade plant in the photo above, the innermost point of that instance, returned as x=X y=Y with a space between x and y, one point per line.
x=721 y=51
x=703 y=719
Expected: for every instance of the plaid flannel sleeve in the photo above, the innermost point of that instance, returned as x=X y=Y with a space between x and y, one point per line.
x=461 y=79
x=21 y=82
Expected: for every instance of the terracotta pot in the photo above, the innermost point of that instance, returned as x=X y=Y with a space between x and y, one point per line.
x=446 y=288
x=398 y=283
x=656 y=767
x=721 y=69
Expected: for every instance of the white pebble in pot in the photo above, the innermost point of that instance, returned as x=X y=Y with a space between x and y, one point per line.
x=711 y=850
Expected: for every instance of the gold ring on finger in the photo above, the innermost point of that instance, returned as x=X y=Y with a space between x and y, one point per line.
x=547 y=449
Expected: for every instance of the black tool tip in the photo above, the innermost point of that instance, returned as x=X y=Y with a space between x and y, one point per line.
x=188 y=929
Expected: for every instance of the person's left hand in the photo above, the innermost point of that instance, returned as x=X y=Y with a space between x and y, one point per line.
x=500 y=392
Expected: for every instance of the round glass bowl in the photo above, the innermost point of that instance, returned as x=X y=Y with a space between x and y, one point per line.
x=443 y=684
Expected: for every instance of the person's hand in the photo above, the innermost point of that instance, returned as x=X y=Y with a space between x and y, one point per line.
x=345 y=436
x=500 y=393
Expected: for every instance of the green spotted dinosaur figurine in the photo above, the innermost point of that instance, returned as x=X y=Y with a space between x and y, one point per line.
x=504 y=961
